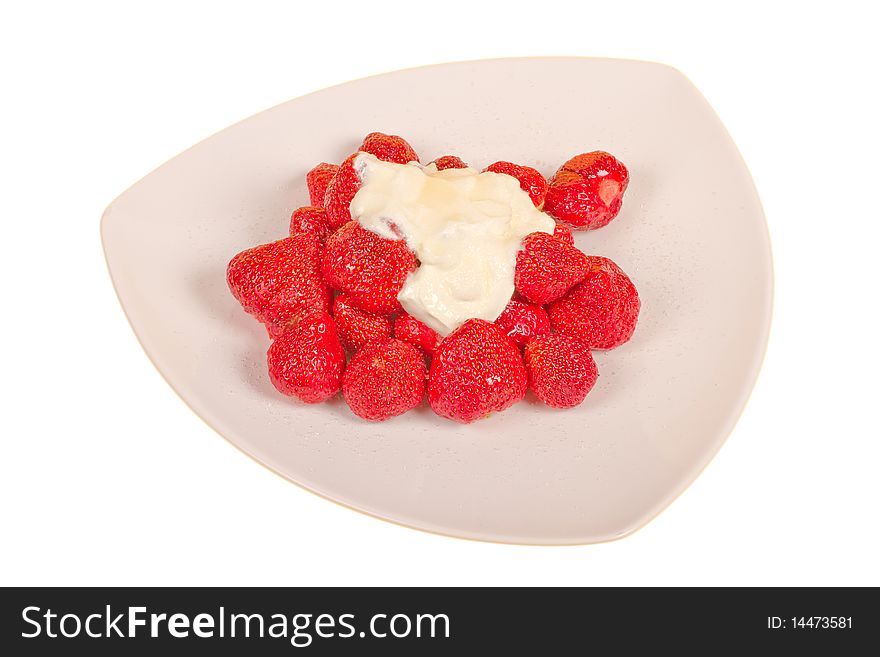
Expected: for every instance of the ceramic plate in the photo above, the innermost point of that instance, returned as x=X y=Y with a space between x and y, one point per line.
x=691 y=235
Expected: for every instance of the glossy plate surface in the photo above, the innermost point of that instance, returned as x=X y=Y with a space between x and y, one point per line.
x=691 y=235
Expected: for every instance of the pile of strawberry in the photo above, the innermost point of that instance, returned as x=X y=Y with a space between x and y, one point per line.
x=329 y=291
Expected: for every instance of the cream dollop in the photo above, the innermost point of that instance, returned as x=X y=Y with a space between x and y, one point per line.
x=464 y=226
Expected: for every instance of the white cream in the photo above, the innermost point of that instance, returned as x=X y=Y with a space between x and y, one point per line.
x=465 y=227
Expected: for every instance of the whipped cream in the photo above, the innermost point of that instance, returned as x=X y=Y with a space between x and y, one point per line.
x=464 y=226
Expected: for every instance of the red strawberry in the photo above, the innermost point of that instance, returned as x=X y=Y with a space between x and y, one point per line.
x=384 y=379
x=563 y=233
x=389 y=148
x=318 y=179
x=340 y=192
x=587 y=191
x=561 y=369
x=306 y=361
x=280 y=282
x=523 y=321
x=310 y=220
x=369 y=268
x=358 y=327
x=449 y=162
x=547 y=267
x=476 y=370
x=602 y=310
x=597 y=164
x=530 y=180
x=411 y=330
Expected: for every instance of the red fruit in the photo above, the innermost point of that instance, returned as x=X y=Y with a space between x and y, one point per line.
x=561 y=369
x=523 y=321
x=597 y=164
x=602 y=310
x=280 y=282
x=369 y=268
x=587 y=191
x=384 y=379
x=476 y=370
x=411 y=330
x=547 y=267
x=340 y=192
x=357 y=327
x=530 y=180
x=310 y=220
x=318 y=179
x=563 y=233
x=306 y=361
x=449 y=162
x=389 y=148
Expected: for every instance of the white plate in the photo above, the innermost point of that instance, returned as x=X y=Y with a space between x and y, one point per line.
x=691 y=235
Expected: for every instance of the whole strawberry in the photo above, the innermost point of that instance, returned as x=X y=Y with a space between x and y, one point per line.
x=561 y=369
x=449 y=162
x=384 y=379
x=587 y=191
x=547 y=267
x=411 y=330
x=317 y=180
x=522 y=321
x=358 y=327
x=602 y=310
x=530 y=180
x=340 y=191
x=389 y=148
x=310 y=220
x=307 y=360
x=476 y=370
x=369 y=268
x=280 y=282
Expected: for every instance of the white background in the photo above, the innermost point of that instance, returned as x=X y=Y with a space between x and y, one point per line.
x=106 y=477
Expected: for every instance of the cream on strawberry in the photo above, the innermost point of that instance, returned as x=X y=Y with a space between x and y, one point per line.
x=464 y=226
x=440 y=249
